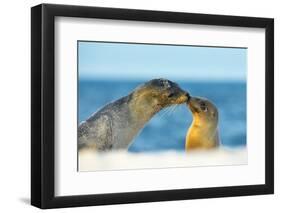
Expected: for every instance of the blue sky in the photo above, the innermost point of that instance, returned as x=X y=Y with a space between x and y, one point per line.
x=124 y=61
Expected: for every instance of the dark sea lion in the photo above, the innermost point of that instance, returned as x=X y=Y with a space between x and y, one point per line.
x=203 y=132
x=115 y=125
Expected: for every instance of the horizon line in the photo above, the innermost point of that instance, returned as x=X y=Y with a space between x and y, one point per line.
x=173 y=79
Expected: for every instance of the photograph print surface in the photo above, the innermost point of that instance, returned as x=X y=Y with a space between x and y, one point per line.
x=160 y=105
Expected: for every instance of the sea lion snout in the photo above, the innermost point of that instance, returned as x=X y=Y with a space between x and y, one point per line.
x=197 y=104
x=182 y=96
x=193 y=104
x=177 y=91
x=203 y=106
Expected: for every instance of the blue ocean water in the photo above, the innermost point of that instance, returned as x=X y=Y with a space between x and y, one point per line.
x=167 y=129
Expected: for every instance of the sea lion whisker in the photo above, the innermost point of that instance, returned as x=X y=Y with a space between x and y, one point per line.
x=165 y=111
x=161 y=111
x=171 y=110
x=176 y=107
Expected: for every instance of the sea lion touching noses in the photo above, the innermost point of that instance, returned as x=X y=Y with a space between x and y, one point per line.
x=203 y=132
x=115 y=125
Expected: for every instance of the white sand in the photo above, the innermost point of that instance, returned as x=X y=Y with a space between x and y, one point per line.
x=119 y=160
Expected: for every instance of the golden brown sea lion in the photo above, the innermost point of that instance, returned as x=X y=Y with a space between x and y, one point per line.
x=203 y=132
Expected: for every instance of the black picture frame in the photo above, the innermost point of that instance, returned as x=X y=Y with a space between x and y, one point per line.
x=43 y=102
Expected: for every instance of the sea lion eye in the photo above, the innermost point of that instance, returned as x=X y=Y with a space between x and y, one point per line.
x=164 y=83
x=203 y=107
x=160 y=83
x=171 y=95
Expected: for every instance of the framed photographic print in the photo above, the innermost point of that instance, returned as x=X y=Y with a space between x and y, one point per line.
x=139 y=106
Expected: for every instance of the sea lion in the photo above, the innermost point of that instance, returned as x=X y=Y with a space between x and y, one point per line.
x=115 y=125
x=203 y=132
